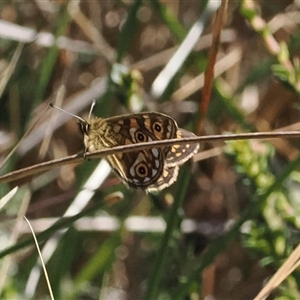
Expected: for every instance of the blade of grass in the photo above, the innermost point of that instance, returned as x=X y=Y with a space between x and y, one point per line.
x=169 y=18
x=41 y=258
x=175 y=63
x=128 y=30
x=81 y=200
x=7 y=197
x=98 y=264
x=90 y=31
x=5 y=265
x=51 y=57
x=26 y=133
x=172 y=222
x=6 y=74
x=62 y=223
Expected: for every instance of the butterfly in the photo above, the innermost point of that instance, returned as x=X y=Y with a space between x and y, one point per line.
x=149 y=169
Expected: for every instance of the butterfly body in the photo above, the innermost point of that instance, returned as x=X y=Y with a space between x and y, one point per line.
x=150 y=169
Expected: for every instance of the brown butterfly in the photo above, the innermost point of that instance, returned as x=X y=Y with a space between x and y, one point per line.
x=150 y=169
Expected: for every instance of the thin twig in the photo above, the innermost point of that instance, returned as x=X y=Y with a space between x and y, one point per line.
x=77 y=158
x=209 y=72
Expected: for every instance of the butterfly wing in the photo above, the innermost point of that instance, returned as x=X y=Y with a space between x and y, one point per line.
x=150 y=169
x=168 y=177
x=141 y=169
x=174 y=158
x=179 y=154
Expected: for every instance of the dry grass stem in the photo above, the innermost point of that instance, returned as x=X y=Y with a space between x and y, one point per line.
x=77 y=158
x=41 y=258
x=291 y=264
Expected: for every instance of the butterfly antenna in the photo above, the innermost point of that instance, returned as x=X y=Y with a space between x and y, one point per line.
x=91 y=109
x=83 y=121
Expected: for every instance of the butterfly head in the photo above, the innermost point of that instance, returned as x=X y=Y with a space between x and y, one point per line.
x=84 y=126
